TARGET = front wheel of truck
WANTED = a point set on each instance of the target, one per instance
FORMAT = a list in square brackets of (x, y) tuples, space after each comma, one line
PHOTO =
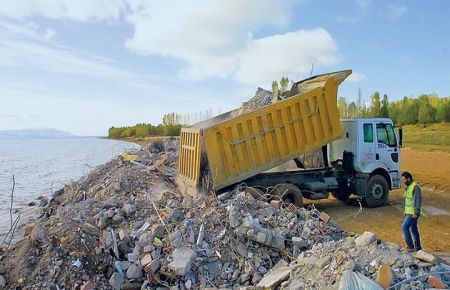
[(377, 191)]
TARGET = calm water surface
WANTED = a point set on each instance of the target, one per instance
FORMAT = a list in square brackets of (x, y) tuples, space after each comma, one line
[(42, 164)]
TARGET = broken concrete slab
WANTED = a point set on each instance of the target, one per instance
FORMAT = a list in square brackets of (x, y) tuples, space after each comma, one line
[(123, 235), (153, 266), (146, 259), (365, 239), (182, 260), (129, 208), (116, 280), (274, 278), (424, 256), (134, 272)]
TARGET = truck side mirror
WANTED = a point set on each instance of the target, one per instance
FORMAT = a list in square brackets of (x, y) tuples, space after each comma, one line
[(400, 137)]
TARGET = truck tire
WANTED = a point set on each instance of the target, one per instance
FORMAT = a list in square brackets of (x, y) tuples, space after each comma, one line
[(377, 191), (288, 193)]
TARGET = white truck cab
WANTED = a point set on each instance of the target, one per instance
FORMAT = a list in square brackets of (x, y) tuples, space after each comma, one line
[(372, 146)]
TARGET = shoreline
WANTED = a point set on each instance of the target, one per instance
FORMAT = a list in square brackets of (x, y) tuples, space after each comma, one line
[(29, 211), (141, 141)]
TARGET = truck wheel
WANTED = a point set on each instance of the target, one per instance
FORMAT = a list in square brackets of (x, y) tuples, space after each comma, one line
[(288, 193), (377, 191)]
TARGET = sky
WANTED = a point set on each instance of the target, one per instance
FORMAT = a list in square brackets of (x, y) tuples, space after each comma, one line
[(83, 66)]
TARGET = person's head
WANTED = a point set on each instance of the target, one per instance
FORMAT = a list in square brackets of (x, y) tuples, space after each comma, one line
[(406, 178)]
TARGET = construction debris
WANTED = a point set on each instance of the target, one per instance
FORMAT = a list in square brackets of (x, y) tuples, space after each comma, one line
[(126, 226)]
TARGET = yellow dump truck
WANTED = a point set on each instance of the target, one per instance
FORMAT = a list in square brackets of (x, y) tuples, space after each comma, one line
[(234, 149)]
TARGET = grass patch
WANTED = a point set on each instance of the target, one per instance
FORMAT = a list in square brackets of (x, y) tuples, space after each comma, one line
[(434, 137)]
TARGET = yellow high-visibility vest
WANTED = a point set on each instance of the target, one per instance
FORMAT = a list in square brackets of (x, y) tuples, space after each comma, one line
[(409, 199)]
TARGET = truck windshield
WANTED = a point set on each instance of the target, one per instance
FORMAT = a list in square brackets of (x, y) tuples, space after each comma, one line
[(386, 134)]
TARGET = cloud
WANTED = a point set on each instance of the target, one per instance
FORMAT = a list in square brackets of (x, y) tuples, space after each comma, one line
[(49, 34), (203, 27), (216, 39), (355, 16), (363, 4), (290, 54), (23, 46), (206, 35), (396, 11), (356, 77), (211, 39), (79, 10)]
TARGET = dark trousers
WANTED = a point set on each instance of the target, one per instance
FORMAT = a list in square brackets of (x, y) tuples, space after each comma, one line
[(410, 227)]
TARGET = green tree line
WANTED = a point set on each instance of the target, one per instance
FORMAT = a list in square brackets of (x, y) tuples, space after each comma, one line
[(171, 126), (425, 109), (144, 130)]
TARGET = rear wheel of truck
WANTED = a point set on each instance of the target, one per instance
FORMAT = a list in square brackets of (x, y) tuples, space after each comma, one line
[(377, 191), (288, 193)]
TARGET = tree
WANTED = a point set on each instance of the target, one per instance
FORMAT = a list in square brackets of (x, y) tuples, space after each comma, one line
[(384, 109), (173, 119), (443, 110), (342, 105), (359, 104), (426, 114), (409, 111), (143, 130), (375, 105), (114, 132), (394, 112), (352, 110), (172, 130), (284, 82), (279, 88)]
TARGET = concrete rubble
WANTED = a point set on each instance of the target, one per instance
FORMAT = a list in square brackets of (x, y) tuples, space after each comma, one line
[(261, 98), (126, 226)]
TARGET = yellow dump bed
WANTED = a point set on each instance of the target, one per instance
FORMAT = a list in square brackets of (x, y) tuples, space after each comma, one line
[(228, 149)]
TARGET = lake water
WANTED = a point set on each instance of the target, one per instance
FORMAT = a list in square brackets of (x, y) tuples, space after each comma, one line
[(42, 164)]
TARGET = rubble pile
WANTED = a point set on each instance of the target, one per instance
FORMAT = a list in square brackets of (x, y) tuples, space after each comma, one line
[(381, 261), (125, 226), (261, 98)]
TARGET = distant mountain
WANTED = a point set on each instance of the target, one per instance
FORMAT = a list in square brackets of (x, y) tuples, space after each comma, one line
[(35, 133)]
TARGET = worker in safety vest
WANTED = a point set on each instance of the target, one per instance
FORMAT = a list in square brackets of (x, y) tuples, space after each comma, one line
[(413, 210)]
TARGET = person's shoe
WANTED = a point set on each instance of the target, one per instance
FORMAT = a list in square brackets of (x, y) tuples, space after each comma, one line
[(410, 250), (418, 249)]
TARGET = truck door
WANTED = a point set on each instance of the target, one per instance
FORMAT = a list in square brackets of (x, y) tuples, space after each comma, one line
[(388, 151), (367, 147)]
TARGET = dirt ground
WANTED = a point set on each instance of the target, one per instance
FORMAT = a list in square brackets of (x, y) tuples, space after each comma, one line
[(432, 171)]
